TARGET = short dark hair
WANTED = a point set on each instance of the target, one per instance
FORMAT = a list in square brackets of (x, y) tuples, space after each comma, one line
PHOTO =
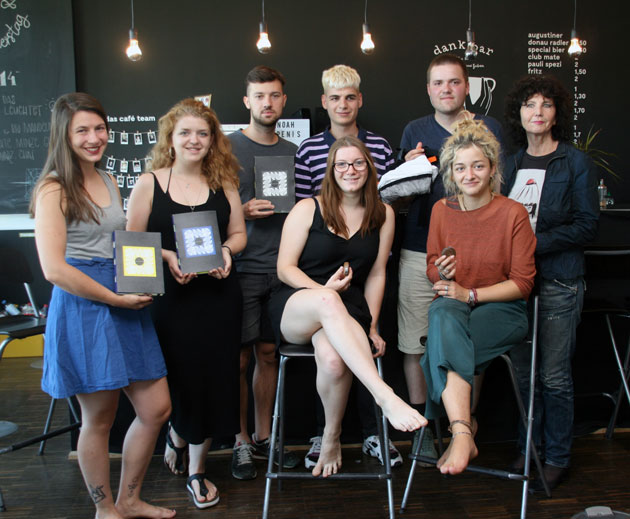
[(447, 59), (547, 86), (263, 74)]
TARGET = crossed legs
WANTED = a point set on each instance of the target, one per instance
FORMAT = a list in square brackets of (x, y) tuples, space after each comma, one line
[(341, 347), (462, 341)]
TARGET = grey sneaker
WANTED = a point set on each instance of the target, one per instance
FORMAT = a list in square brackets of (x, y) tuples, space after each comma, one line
[(372, 447), (243, 466), (260, 451), (312, 456), (427, 448)]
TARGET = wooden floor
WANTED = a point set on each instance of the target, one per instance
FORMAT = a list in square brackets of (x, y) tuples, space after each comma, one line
[(50, 486)]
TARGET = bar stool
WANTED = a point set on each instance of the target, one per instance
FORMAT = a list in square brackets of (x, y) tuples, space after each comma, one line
[(276, 441), (14, 269), (600, 299), (527, 419)]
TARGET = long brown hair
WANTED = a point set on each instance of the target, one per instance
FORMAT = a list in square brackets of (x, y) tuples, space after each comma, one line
[(219, 166), (331, 194), (62, 165)]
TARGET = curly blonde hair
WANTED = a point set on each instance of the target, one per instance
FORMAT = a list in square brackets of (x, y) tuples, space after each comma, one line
[(219, 166), (467, 133)]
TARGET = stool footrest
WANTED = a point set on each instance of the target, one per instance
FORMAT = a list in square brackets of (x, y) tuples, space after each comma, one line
[(352, 476), (474, 468)]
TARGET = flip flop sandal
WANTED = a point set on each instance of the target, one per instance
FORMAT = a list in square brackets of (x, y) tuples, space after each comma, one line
[(180, 455), (203, 490)]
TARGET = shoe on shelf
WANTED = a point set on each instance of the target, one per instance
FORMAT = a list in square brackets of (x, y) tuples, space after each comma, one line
[(243, 466), (312, 456), (372, 447), (427, 448), (553, 475), (260, 451)]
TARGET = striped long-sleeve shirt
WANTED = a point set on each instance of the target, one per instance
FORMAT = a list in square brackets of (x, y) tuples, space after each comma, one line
[(311, 156)]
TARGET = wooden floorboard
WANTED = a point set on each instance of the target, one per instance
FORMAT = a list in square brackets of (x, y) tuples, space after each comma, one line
[(51, 486)]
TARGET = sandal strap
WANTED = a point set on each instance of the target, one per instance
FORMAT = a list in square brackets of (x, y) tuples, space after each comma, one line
[(461, 432), (461, 422), (180, 452), (199, 478)]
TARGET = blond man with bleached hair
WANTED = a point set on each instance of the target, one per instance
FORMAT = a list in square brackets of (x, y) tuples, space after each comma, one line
[(340, 76)]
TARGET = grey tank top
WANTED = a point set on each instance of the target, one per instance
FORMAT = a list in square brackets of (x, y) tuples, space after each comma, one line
[(87, 240)]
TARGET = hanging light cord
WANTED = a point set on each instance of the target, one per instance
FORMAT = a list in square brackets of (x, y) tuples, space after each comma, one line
[(365, 15), (469, 15), (574, 13), (133, 26), (263, 11)]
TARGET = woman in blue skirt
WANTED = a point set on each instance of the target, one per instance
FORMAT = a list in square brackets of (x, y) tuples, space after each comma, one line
[(97, 342)]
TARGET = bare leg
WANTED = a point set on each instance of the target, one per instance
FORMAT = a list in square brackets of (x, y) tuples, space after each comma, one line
[(197, 465), (414, 376), (333, 385), (309, 310), (98, 411), (264, 386), (152, 404), (243, 435), (462, 448)]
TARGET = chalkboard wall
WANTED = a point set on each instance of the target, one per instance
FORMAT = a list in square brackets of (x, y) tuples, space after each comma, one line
[(193, 48), (36, 66)]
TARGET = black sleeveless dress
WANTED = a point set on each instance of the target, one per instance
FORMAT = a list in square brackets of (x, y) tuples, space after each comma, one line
[(199, 328), (324, 252)]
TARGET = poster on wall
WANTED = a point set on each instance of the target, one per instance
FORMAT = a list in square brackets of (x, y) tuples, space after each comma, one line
[(36, 67)]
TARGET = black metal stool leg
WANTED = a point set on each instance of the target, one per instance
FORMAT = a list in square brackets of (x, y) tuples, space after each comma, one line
[(414, 453), (51, 410), (383, 433), (623, 386), (277, 412)]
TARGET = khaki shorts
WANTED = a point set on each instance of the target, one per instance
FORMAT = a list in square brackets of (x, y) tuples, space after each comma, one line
[(414, 298)]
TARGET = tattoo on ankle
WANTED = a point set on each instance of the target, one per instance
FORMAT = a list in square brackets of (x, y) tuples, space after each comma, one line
[(132, 487), (97, 494)]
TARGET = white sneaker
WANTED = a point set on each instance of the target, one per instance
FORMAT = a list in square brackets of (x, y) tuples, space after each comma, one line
[(312, 456), (372, 447)]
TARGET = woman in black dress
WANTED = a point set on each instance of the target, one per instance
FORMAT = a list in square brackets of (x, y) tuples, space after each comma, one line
[(336, 307), (198, 320)]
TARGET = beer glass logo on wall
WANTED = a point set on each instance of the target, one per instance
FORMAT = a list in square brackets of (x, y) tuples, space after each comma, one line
[(479, 98), (480, 94)]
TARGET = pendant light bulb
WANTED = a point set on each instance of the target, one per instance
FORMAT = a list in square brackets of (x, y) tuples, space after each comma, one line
[(263, 44), (471, 47), (367, 45), (133, 49), (575, 49)]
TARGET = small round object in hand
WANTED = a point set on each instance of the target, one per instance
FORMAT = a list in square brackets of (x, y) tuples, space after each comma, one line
[(448, 251), (346, 268)]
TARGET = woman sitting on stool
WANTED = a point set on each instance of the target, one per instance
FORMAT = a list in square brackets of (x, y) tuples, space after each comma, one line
[(336, 307), (480, 257)]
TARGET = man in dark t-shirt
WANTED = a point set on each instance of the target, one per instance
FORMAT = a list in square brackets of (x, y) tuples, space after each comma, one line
[(256, 265)]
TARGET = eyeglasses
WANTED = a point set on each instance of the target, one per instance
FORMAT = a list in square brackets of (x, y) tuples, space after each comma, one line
[(358, 165)]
